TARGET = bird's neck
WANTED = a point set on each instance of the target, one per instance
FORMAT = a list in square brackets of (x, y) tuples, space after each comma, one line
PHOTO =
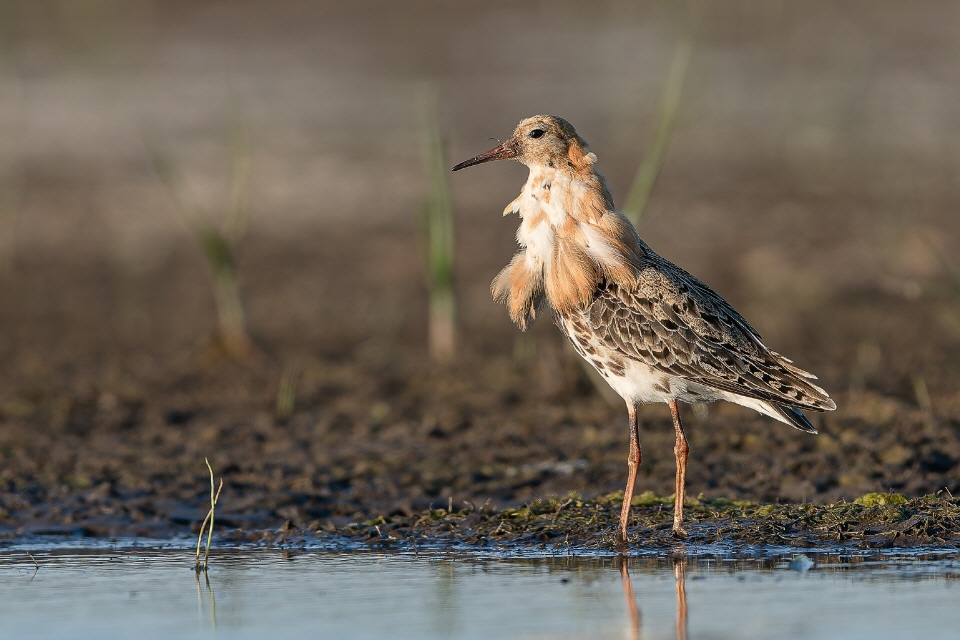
[(571, 238), (561, 192)]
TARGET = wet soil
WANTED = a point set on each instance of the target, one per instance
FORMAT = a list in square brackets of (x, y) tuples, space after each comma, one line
[(876, 521), (103, 437), (837, 239)]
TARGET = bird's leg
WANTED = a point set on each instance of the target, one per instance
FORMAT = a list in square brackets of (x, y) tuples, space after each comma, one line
[(633, 462), (680, 450)]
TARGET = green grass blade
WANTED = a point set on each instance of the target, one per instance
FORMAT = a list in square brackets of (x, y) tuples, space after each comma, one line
[(437, 229), (218, 244), (649, 169), (238, 199)]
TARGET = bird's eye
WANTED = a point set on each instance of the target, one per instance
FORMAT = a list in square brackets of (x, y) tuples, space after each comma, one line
[(536, 133)]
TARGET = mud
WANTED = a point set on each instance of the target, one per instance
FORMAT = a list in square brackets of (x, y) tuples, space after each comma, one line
[(113, 442), (578, 526), (837, 241)]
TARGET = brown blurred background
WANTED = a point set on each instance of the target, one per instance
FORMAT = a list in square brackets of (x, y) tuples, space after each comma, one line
[(811, 179)]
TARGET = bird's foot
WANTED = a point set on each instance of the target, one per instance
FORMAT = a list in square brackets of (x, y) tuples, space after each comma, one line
[(679, 531), (623, 542)]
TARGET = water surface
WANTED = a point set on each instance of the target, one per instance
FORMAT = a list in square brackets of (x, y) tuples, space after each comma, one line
[(149, 590)]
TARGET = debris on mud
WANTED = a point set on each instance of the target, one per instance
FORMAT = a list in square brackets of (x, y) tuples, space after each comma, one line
[(872, 521), (839, 243)]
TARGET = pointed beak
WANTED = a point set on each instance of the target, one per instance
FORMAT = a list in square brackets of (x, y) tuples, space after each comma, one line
[(506, 151)]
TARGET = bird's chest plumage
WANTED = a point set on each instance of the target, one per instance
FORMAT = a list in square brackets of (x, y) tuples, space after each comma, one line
[(561, 243), (543, 212)]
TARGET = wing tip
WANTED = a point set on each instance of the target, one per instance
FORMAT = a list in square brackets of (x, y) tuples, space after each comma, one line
[(795, 418)]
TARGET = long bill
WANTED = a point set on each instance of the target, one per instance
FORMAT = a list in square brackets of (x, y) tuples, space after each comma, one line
[(506, 151)]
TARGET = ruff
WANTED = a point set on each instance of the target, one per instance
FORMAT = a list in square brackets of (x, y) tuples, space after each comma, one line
[(653, 331)]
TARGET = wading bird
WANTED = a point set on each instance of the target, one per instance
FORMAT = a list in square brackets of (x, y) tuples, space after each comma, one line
[(652, 330)]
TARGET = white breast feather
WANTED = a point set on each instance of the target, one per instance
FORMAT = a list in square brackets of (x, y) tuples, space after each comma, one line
[(597, 246), (538, 241), (536, 232)]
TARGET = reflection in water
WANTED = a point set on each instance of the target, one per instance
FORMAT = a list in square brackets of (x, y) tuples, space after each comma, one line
[(633, 610), (445, 607), (679, 564), (36, 567), (147, 594), (211, 600)]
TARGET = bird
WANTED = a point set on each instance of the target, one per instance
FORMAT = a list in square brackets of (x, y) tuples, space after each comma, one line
[(654, 332)]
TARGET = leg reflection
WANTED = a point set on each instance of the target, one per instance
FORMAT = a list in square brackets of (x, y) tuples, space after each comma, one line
[(632, 609), (678, 566)]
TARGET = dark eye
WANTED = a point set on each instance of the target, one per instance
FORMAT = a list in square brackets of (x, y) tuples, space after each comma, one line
[(536, 133)]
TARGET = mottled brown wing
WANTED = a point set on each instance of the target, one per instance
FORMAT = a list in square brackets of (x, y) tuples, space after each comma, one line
[(675, 323)]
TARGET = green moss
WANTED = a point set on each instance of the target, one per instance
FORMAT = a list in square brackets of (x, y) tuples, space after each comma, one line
[(649, 498), (521, 514), (612, 498), (725, 502), (881, 499), (875, 520), (78, 481)]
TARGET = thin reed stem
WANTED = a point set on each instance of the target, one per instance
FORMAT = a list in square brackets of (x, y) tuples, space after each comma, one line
[(639, 194), (217, 243), (287, 391), (438, 240), (208, 522)]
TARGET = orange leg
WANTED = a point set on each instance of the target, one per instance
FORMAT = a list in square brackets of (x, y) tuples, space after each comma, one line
[(680, 450), (633, 462)]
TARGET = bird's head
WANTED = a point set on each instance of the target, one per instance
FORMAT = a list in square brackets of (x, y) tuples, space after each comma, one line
[(546, 141)]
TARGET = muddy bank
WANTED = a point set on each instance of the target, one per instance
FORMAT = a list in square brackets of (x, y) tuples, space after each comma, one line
[(800, 184), (106, 435), (379, 432), (875, 521)]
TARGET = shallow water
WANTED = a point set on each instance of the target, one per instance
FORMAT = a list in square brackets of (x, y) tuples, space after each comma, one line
[(149, 590)]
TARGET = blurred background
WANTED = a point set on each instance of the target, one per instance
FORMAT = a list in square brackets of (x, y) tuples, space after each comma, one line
[(212, 244)]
